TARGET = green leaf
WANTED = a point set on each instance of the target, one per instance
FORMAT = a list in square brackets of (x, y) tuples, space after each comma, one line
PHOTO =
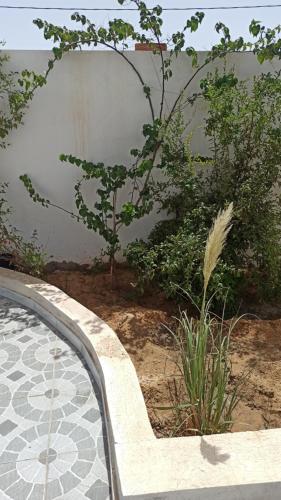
[(255, 27), (146, 90), (135, 152), (261, 57)]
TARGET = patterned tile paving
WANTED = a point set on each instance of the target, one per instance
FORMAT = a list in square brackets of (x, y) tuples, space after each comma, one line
[(52, 439)]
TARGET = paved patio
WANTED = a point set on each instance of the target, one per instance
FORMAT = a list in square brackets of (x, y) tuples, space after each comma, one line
[(52, 437)]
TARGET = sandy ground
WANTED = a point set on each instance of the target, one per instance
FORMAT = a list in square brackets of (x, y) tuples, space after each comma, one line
[(139, 323)]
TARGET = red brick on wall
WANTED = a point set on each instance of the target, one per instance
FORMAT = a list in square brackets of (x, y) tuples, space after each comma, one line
[(150, 46)]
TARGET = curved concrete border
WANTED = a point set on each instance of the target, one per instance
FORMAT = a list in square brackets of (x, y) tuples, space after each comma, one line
[(241, 466), (124, 405)]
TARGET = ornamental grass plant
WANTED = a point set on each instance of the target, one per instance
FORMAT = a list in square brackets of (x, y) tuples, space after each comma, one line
[(203, 345)]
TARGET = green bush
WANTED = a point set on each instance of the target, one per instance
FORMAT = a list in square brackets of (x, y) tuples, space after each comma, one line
[(243, 129), (25, 256), (16, 92), (176, 264)]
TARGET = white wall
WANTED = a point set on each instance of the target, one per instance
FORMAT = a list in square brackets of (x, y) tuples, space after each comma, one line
[(92, 107)]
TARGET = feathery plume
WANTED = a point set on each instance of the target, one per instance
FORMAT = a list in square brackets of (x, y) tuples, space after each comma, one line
[(216, 241)]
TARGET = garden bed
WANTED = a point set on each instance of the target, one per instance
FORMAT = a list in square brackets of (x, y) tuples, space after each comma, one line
[(138, 322)]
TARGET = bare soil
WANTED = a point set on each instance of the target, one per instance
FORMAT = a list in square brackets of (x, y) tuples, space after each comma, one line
[(139, 323)]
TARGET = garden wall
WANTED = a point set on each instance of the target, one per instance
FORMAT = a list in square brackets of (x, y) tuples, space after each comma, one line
[(92, 107)]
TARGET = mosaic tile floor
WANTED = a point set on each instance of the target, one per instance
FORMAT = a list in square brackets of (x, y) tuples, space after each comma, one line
[(52, 438)]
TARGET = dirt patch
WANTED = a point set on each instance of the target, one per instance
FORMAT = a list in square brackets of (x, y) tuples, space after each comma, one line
[(139, 323)]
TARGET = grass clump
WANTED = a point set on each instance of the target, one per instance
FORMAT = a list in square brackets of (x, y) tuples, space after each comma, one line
[(203, 346)]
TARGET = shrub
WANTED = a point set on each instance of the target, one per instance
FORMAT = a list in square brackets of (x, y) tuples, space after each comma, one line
[(16, 92), (243, 128), (176, 263), (26, 256)]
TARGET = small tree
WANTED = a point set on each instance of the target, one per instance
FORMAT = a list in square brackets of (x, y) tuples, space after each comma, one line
[(108, 217)]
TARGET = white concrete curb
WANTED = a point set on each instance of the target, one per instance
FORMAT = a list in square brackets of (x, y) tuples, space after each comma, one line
[(241, 466)]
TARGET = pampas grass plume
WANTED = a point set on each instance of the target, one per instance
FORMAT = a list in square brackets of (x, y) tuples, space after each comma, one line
[(216, 241)]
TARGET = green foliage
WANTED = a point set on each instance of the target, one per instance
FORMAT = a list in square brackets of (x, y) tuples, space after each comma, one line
[(108, 217), (268, 43), (175, 261), (105, 215), (243, 127), (26, 256), (203, 348), (16, 91), (173, 255), (29, 258)]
